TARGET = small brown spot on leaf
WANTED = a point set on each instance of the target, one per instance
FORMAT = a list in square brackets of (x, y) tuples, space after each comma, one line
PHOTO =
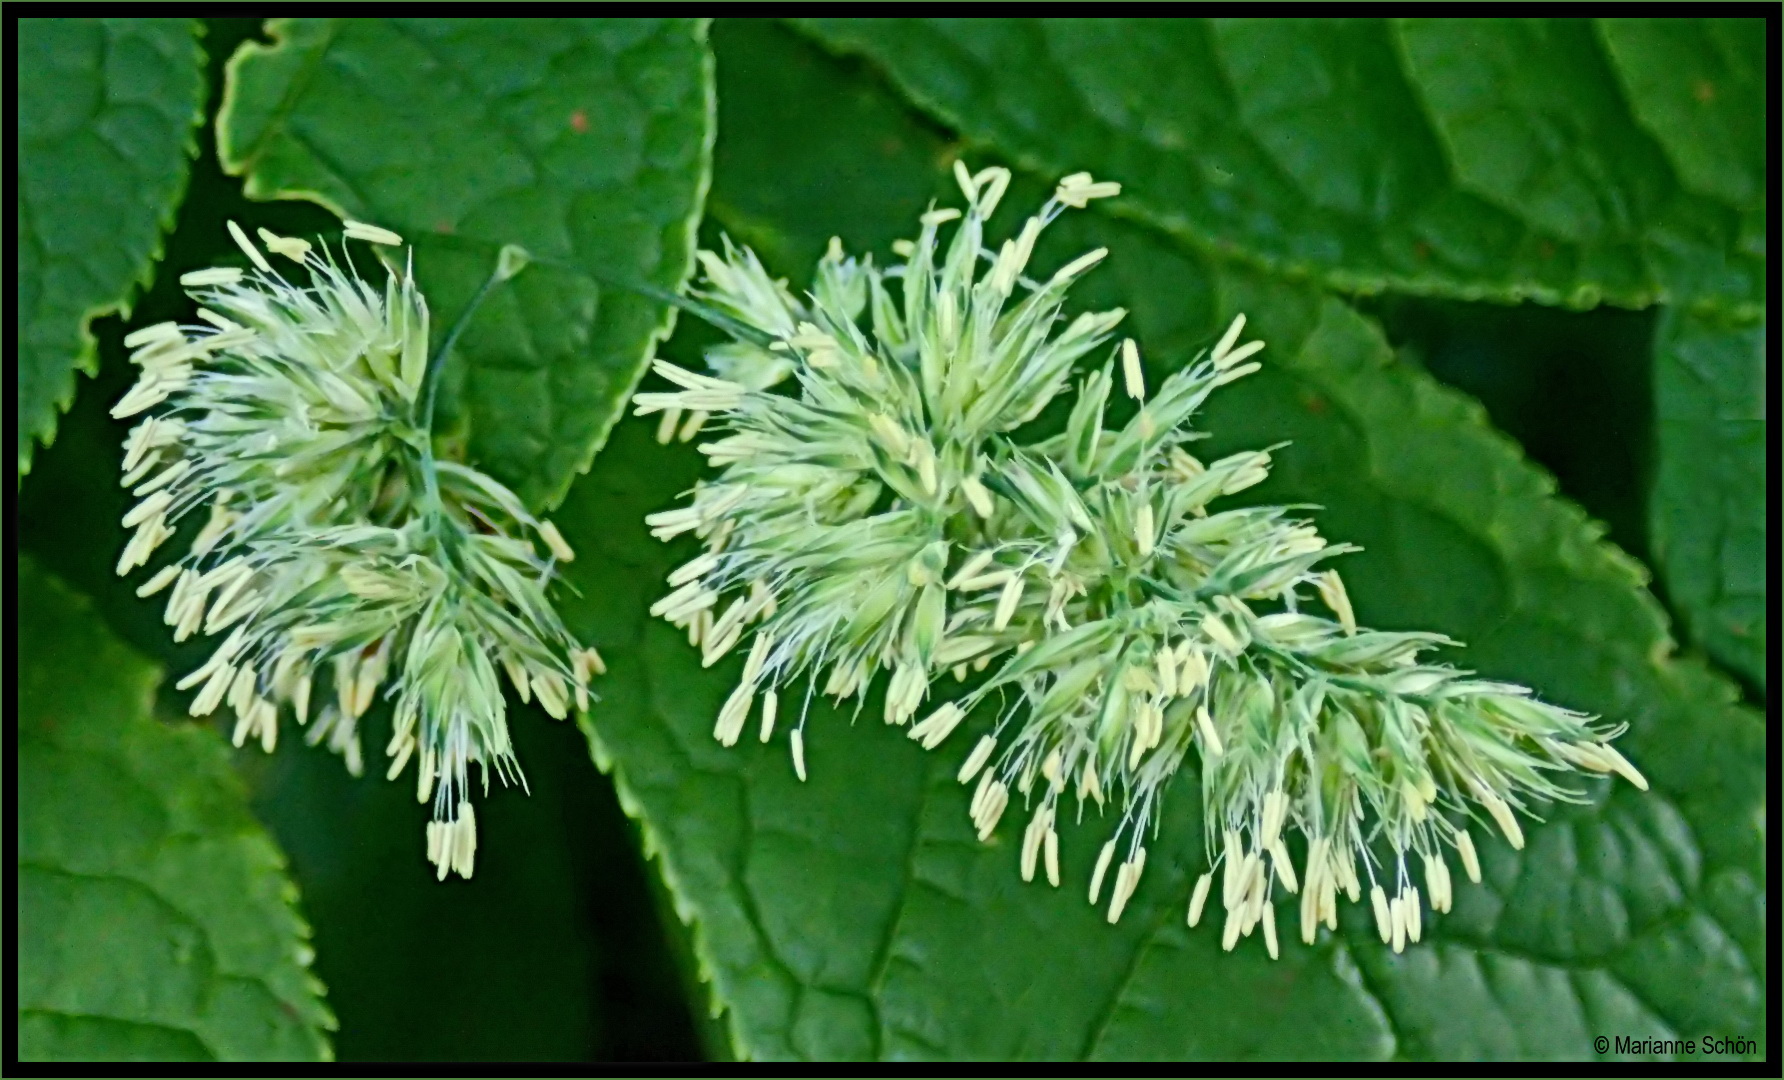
[(1421, 250), (1704, 91), (443, 226), (579, 121), (1315, 404), (1545, 249)]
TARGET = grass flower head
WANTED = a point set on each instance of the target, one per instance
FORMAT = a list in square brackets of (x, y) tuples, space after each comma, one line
[(895, 513), (289, 431)]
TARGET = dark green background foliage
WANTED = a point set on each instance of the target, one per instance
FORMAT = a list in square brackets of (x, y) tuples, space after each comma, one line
[(106, 112), (1512, 277), (155, 918)]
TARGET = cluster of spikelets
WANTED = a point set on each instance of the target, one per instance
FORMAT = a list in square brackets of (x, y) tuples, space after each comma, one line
[(892, 513), (288, 448)]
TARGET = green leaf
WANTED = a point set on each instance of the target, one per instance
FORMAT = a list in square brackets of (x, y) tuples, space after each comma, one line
[(1708, 511), (107, 112), (855, 915), (1531, 113), (585, 141), (1699, 86), (1486, 160), (155, 918)]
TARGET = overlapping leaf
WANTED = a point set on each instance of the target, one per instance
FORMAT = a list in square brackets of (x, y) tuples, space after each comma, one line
[(107, 110), (1468, 158), (585, 141), (1699, 86), (855, 916), (1708, 513), (155, 920)]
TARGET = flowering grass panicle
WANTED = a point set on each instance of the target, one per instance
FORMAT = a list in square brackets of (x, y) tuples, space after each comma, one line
[(290, 431), (894, 513)]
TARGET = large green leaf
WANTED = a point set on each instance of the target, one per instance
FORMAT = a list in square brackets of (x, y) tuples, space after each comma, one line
[(1532, 115), (107, 110), (585, 141), (1709, 508), (1485, 159), (1699, 86), (155, 920), (855, 916)]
